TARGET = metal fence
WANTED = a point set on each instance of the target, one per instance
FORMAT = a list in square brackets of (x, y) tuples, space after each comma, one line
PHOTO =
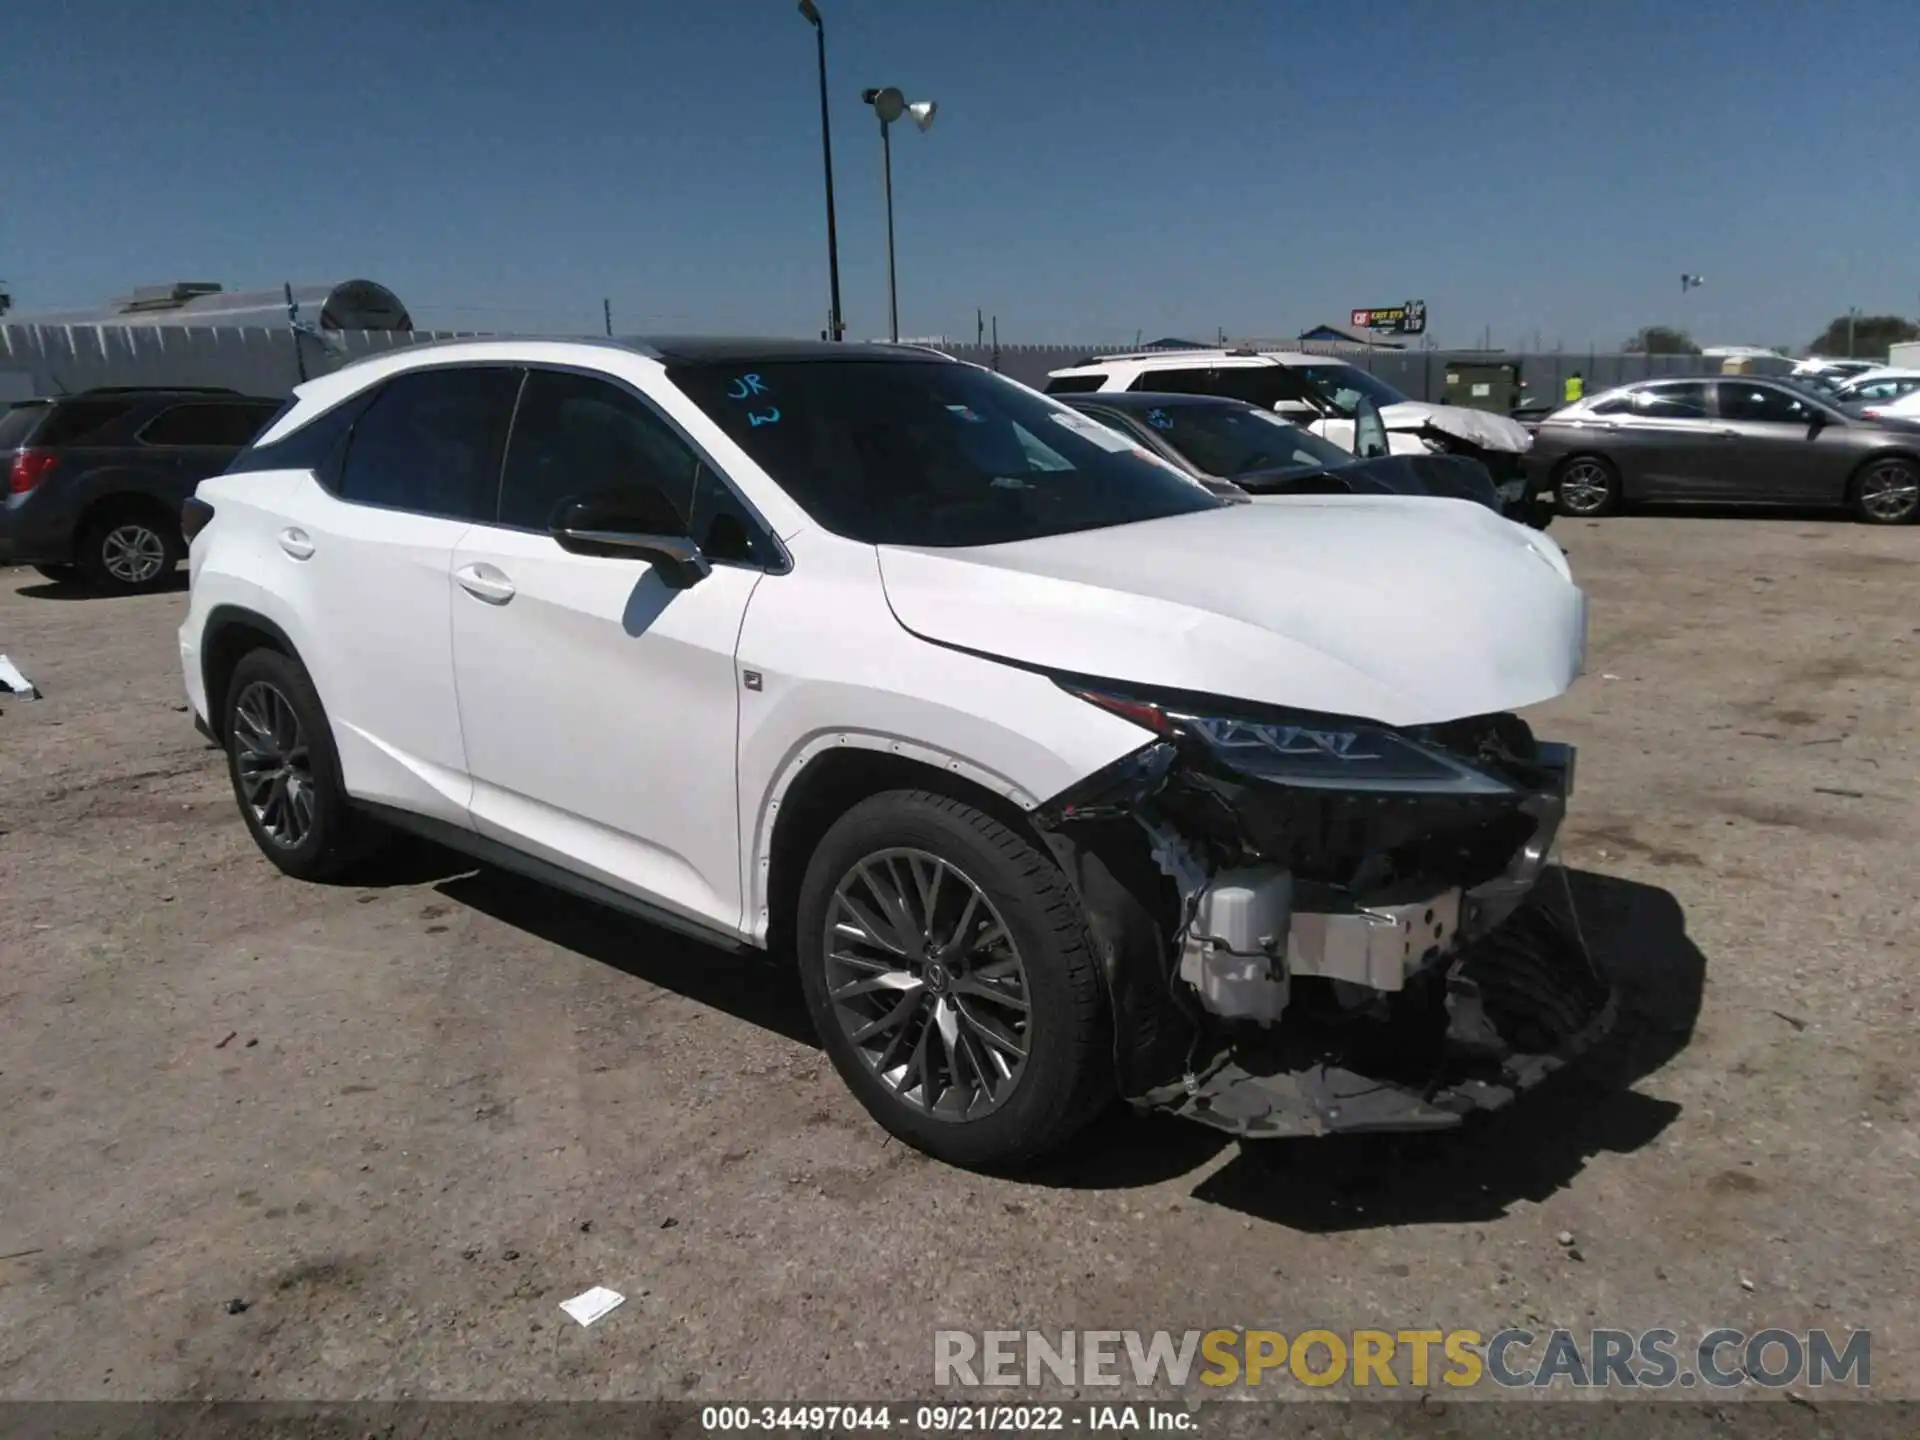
[(61, 359)]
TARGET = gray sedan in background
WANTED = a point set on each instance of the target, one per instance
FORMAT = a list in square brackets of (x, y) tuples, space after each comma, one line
[(1725, 440)]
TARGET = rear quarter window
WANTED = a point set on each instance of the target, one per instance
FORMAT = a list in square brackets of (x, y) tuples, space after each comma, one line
[(77, 422), (17, 424)]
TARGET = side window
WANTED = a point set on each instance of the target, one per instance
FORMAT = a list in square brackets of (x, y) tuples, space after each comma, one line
[(1075, 384), (430, 442), (1761, 402), (1686, 401), (1612, 405), (1176, 382), (573, 435)]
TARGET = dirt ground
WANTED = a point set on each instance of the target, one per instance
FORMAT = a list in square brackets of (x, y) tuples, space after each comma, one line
[(402, 1121)]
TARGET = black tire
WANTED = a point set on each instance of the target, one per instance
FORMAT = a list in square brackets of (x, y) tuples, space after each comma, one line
[(58, 574), (128, 550), (335, 835), (1886, 491), (1537, 983), (1067, 1073), (1599, 495)]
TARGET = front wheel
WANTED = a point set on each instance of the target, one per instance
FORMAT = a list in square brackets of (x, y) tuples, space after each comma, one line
[(1887, 492), (1587, 487), (947, 968)]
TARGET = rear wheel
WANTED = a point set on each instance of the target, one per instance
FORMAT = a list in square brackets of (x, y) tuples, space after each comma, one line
[(1887, 492), (1586, 487), (285, 773), (946, 964), (127, 552)]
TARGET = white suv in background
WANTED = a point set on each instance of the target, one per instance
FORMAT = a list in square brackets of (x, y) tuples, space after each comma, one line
[(1056, 773), (1273, 380)]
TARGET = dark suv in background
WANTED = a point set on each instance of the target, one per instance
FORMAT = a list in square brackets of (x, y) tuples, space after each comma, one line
[(95, 481)]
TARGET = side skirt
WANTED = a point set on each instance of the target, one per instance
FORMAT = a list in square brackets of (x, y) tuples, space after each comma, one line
[(489, 851)]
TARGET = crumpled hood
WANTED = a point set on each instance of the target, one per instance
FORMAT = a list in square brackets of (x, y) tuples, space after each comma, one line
[(1489, 432), (1397, 609)]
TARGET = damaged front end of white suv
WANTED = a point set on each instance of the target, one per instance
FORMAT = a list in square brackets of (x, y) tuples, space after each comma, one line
[(1312, 924)]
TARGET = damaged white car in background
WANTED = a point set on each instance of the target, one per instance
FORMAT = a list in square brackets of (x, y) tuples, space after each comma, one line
[(1322, 393), (1057, 774)]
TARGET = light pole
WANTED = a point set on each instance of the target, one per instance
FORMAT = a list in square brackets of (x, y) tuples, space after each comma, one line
[(889, 104), (836, 327)]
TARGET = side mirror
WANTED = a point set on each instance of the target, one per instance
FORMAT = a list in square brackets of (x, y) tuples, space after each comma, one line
[(1298, 411), (635, 522)]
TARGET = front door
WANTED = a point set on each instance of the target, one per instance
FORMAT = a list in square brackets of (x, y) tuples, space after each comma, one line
[(600, 707), (1773, 455)]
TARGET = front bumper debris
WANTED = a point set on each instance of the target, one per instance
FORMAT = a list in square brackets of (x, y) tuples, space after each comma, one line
[(1452, 1061), (1298, 960)]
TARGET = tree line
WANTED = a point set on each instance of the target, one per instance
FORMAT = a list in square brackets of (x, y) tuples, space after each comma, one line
[(1861, 337)]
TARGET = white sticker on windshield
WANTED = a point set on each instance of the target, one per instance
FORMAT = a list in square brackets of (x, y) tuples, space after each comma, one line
[(1092, 430)]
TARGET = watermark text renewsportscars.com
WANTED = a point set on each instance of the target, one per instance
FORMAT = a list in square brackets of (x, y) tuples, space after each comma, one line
[(1719, 1358)]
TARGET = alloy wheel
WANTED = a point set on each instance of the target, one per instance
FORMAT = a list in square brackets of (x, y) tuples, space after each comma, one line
[(1584, 487), (927, 983), (133, 553), (274, 764), (1890, 491)]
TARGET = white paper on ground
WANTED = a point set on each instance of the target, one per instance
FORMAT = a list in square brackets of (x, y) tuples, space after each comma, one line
[(11, 679), (592, 1304)]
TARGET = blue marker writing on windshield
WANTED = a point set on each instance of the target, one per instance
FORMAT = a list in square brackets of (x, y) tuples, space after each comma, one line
[(743, 386), (757, 418)]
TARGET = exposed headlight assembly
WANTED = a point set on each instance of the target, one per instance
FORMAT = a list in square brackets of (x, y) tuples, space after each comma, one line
[(1306, 750)]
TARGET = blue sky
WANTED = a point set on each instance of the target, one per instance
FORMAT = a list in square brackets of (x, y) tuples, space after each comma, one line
[(1096, 169)]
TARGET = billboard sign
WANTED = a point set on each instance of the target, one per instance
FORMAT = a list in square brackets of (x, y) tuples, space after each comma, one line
[(1407, 319)]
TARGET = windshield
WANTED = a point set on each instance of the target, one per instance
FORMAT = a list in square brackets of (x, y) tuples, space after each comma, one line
[(894, 452), (1233, 440), (1347, 383)]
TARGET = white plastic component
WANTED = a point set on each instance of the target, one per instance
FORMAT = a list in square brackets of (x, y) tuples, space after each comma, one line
[(1245, 910), (1238, 931)]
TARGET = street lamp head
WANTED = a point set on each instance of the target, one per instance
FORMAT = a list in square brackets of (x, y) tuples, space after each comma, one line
[(889, 104), (922, 112), (812, 12)]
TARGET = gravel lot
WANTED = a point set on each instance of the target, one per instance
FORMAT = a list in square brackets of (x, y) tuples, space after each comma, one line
[(402, 1121)]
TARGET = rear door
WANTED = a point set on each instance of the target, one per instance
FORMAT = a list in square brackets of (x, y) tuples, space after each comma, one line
[(363, 563), (1772, 453)]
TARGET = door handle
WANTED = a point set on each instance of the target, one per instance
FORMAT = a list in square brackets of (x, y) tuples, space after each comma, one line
[(295, 542), (1729, 434), (485, 582)]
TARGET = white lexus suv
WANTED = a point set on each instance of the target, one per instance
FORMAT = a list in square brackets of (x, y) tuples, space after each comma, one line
[(1057, 775)]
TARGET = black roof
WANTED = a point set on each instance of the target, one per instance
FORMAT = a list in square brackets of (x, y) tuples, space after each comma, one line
[(739, 349), (1147, 399)]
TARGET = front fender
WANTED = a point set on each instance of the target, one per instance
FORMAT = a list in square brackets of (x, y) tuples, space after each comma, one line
[(824, 665)]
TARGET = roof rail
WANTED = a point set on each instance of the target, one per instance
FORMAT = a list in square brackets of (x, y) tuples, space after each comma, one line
[(159, 389)]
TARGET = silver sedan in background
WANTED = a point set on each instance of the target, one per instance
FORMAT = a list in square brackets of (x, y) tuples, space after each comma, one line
[(1744, 440)]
